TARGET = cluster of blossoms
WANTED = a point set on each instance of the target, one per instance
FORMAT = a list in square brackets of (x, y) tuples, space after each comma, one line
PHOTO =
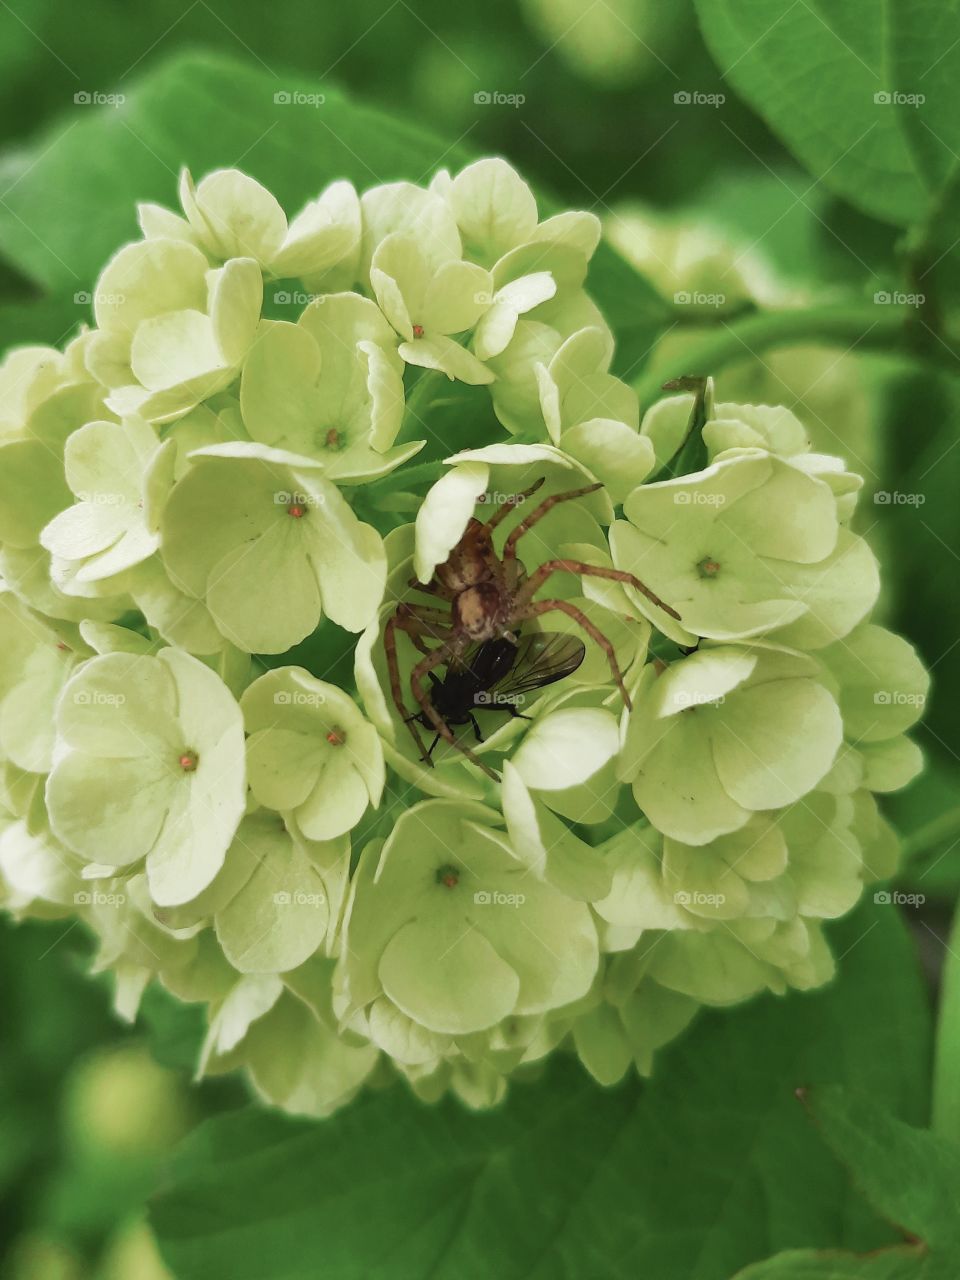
[(208, 511)]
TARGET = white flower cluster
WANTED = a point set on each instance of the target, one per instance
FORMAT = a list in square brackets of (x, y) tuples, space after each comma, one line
[(203, 483)]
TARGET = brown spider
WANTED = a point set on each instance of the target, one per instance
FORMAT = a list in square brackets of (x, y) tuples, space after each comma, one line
[(486, 598)]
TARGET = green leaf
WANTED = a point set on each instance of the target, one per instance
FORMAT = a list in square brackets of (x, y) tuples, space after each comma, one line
[(175, 1030), (61, 220), (812, 70), (675, 1170), (911, 1177)]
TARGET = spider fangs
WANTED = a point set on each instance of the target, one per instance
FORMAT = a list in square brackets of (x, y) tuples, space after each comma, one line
[(485, 597)]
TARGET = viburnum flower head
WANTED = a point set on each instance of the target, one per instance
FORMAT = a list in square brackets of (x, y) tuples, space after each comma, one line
[(217, 503)]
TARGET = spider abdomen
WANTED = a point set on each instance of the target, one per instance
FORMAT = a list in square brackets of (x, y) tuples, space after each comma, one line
[(477, 611)]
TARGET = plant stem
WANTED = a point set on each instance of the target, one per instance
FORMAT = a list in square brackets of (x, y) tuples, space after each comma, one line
[(861, 324), (946, 1060), (931, 834)]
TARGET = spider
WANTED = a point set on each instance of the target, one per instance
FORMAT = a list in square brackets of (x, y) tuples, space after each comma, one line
[(487, 597)]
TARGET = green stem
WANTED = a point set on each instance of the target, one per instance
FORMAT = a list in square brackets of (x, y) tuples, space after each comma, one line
[(931, 834), (946, 1062), (864, 325)]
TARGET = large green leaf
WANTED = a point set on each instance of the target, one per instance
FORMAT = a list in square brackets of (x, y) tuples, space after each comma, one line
[(813, 70), (68, 203), (911, 1176), (706, 1168)]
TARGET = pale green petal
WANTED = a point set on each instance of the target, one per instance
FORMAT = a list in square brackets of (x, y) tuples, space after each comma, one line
[(615, 453), (566, 747), (445, 974), (774, 742), (238, 217), (494, 208), (891, 764), (435, 351), (455, 298), (445, 513), (279, 918), (678, 787), (109, 811), (264, 595), (883, 684), (236, 297), (149, 278)]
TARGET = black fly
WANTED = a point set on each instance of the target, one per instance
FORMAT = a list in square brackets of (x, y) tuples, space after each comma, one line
[(498, 674)]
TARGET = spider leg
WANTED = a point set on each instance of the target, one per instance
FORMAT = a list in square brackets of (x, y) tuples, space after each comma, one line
[(431, 588), (476, 728), (406, 619), (442, 654), (537, 514), (513, 502), (540, 575), (594, 632)]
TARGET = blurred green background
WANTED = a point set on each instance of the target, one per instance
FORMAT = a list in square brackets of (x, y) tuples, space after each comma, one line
[(587, 100)]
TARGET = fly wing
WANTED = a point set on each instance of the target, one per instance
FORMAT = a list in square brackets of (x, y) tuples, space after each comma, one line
[(542, 658)]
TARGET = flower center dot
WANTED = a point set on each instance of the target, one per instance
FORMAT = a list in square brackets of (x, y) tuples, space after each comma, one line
[(188, 761), (448, 876), (708, 567), (337, 736), (418, 330), (297, 510)]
